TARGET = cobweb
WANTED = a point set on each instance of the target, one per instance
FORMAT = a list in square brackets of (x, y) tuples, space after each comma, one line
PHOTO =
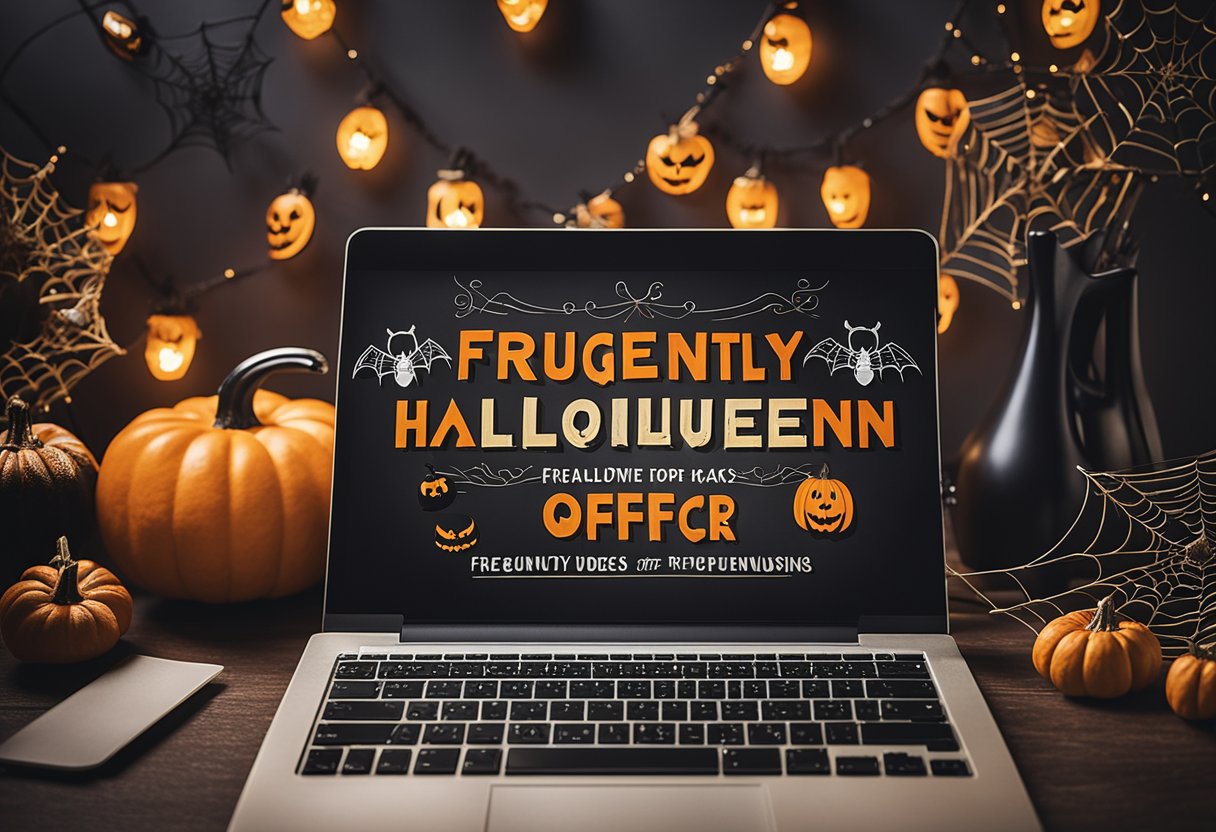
[(1146, 540), (1027, 162), (49, 259), (1151, 90), (209, 83)]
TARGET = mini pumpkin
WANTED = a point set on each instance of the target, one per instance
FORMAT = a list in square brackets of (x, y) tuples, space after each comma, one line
[(1190, 686), (601, 211), (947, 301), (47, 477), (846, 195), (1093, 653), (309, 18), (111, 213), (362, 138), (223, 498), (678, 161), (823, 505), (435, 492), (752, 201), (290, 221), (785, 46), (942, 116), (454, 202), (1069, 22), (455, 533), (66, 612)]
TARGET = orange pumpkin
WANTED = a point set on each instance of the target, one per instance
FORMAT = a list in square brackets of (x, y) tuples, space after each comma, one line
[(223, 498), (822, 504), (66, 612), (1092, 653), (1190, 686), (678, 161)]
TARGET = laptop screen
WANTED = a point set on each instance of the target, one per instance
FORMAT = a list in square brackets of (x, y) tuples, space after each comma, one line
[(602, 428)]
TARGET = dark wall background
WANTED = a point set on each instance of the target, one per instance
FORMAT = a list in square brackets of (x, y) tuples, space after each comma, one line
[(569, 107)]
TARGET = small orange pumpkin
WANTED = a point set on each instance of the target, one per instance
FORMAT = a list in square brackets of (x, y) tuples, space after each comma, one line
[(678, 161), (1092, 653), (223, 498), (822, 504), (1190, 686), (66, 612)]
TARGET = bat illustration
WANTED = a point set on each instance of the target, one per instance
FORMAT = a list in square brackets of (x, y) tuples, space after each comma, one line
[(403, 367), (864, 361)]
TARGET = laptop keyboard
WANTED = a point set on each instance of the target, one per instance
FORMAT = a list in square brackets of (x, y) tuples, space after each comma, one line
[(849, 714)]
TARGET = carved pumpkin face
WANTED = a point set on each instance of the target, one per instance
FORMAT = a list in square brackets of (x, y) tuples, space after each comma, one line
[(846, 194), (435, 493), (679, 164), (309, 18), (785, 48), (170, 345), (122, 35), (600, 212), (752, 202), (947, 301), (942, 117), (290, 221), (362, 138), (455, 533), (823, 505), (522, 15), (111, 213), (1069, 22), (454, 202)]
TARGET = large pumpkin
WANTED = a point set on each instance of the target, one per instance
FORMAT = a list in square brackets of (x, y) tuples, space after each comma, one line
[(823, 505), (1092, 653), (1190, 686), (223, 498), (66, 612), (47, 477)]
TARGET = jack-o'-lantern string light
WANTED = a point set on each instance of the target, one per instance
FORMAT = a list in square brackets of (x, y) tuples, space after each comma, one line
[(679, 161), (362, 137), (846, 195), (309, 18), (522, 15), (291, 220), (1069, 23), (785, 45), (111, 213), (752, 201), (455, 200), (125, 37), (172, 337)]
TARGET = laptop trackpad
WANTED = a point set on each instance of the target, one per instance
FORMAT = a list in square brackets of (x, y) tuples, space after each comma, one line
[(611, 808)]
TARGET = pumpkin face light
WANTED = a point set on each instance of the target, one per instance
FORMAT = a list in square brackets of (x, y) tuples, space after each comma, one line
[(752, 202), (454, 202), (170, 345), (309, 18), (290, 221), (362, 138), (823, 505), (122, 35), (678, 162), (600, 211), (947, 301), (785, 48), (942, 117), (435, 492), (1093, 653), (846, 195), (522, 15), (455, 533), (1069, 22), (111, 213)]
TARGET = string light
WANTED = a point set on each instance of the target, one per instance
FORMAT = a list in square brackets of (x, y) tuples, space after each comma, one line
[(522, 15), (942, 116), (752, 201), (1000, 8), (309, 18), (1015, 57), (454, 201), (170, 345), (111, 213), (1069, 23), (290, 222), (362, 138), (123, 35), (679, 161), (785, 46), (947, 302), (846, 195), (601, 211)]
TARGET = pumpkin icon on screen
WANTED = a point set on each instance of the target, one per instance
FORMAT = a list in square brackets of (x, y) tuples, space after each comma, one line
[(455, 533), (435, 492), (823, 505)]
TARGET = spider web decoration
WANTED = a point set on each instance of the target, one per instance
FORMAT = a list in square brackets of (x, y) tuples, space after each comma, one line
[(49, 259), (1147, 541), (1027, 162), (1151, 90), (210, 86)]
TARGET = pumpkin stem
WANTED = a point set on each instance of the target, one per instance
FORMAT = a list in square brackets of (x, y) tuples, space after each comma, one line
[(67, 589), (20, 428), (1206, 652), (234, 411), (824, 472), (1105, 619)]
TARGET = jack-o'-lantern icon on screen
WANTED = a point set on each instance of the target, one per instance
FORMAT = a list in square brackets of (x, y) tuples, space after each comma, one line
[(678, 161), (823, 505), (846, 195), (942, 117), (290, 221)]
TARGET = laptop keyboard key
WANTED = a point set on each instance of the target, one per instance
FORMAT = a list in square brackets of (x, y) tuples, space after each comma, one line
[(550, 689), (740, 710), (572, 711), (614, 733), (703, 711), (784, 689), (482, 761), (462, 711), (529, 710), (725, 733), (322, 761), (903, 670), (751, 761), (363, 710), (394, 761), (422, 711), (898, 764), (692, 733), (857, 766), (402, 690), (807, 761), (784, 710), (866, 709), (905, 733), (438, 733), (406, 733), (485, 733), (516, 690), (806, 733), (654, 733), (847, 689), (355, 690), (480, 690), (841, 733), (815, 689), (642, 710), (950, 768), (633, 689), (356, 670), (664, 689), (528, 733), (607, 761), (354, 733), (766, 733), (755, 689), (495, 709), (437, 761), (677, 711), (574, 733), (597, 689), (900, 689), (605, 711), (916, 709), (826, 709), (709, 689), (359, 761), (443, 690)]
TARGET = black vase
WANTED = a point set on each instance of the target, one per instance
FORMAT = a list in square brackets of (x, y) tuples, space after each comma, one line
[(1076, 398)]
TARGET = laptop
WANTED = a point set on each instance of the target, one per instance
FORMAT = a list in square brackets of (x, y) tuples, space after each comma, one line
[(635, 530)]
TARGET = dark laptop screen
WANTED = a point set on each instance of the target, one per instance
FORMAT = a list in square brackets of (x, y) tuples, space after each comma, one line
[(599, 436)]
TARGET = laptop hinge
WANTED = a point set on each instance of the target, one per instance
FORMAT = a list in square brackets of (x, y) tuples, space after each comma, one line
[(627, 633)]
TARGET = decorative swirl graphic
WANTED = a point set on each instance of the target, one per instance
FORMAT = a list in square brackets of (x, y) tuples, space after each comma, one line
[(781, 475), (482, 475)]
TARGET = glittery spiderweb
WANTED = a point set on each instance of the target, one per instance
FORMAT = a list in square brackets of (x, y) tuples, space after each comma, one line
[(52, 273), (1026, 162), (1143, 536), (1151, 89), (209, 83)]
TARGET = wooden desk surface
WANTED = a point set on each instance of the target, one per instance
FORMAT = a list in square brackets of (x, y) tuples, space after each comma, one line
[(1129, 764)]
